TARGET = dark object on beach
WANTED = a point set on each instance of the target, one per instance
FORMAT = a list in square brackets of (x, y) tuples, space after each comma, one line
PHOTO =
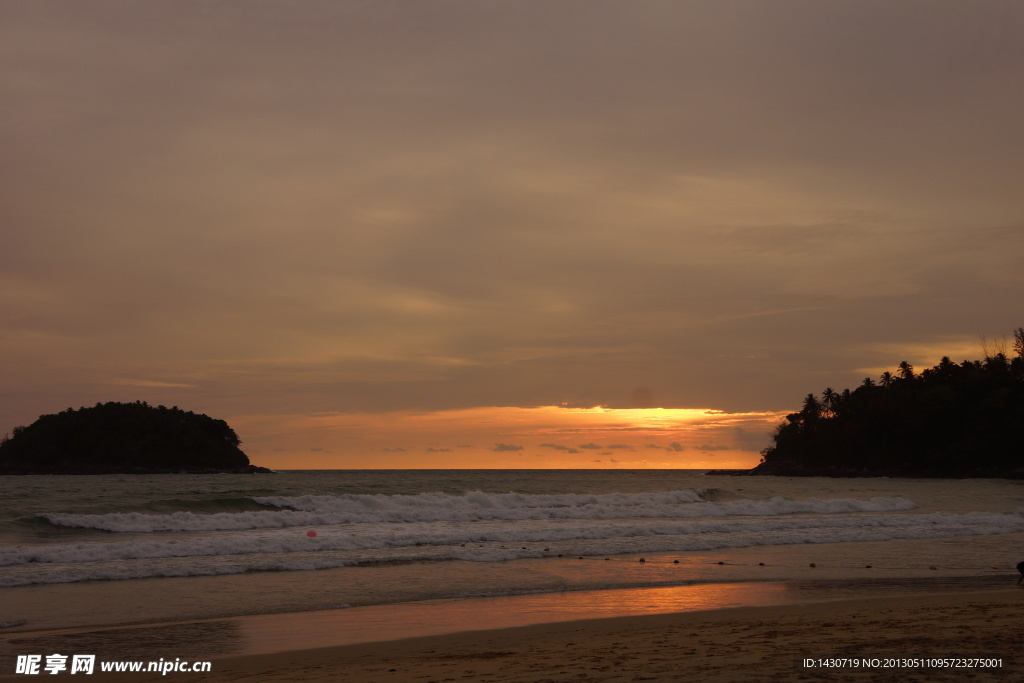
[(124, 438), (1020, 568), (642, 560), (814, 565), (954, 420)]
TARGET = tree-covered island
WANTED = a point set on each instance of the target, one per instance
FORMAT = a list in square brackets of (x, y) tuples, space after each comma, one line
[(124, 438), (952, 420)]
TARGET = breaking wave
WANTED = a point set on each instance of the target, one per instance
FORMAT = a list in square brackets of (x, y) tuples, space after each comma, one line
[(477, 506), (284, 550)]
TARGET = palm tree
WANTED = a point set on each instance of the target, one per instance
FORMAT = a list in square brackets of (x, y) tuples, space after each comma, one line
[(946, 368), (829, 398), (811, 409), (887, 378), (906, 370)]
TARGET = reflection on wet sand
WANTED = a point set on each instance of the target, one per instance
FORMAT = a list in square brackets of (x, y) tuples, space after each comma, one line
[(262, 634), (277, 633)]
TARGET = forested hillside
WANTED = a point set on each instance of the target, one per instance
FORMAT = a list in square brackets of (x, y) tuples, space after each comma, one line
[(952, 420), (123, 438)]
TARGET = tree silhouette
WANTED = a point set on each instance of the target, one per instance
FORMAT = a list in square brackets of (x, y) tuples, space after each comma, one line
[(829, 399), (906, 370), (811, 409), (950, 420), (123, 438)]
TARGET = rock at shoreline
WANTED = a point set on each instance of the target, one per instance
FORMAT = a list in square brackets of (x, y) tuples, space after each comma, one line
[(124, 438)]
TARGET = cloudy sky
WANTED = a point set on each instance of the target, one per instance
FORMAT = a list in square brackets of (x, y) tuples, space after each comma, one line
[(501, 234)]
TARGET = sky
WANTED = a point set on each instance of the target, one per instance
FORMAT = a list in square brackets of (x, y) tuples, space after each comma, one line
[(568, 234)]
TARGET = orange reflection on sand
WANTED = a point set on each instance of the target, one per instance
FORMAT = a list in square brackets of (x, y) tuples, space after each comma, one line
[(686, 598), (304, 630)]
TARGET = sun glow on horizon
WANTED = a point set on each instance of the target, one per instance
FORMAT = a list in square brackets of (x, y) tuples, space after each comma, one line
[(538, 437)]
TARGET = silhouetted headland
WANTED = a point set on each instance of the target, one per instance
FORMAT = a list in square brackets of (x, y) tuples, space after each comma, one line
[(124, 438), (952, 420)]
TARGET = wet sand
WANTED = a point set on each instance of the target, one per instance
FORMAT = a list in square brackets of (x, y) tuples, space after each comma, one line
[(746, 643)]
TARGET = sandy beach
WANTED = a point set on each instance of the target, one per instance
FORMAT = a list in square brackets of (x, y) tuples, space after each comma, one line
[(753, 580), (748, 643)]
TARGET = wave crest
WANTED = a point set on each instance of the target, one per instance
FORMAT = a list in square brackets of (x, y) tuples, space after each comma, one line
[(471, 507)]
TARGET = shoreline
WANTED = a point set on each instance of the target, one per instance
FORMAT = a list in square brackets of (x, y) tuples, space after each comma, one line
[(716, 644), (912, 563), (312, 628), (711, 644)]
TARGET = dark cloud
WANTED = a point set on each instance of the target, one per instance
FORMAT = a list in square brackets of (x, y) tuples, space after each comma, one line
[(242, 208), (675, 446), (503, 447), (559, 447)]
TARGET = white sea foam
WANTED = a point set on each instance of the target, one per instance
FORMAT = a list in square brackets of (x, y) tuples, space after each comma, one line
[(429, 528), (278, 550), (675, 534), (472, 507)]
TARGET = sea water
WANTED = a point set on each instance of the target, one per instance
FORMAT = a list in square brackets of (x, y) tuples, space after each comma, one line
[(79, 550)]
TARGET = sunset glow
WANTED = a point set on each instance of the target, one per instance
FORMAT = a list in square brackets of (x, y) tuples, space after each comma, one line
[(358, 231), (510, 437)]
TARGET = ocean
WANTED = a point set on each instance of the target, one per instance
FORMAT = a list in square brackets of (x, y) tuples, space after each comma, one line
[(104, 550)]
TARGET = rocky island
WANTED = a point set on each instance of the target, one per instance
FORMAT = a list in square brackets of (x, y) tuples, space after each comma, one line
[(124, 438), (953, 420)]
